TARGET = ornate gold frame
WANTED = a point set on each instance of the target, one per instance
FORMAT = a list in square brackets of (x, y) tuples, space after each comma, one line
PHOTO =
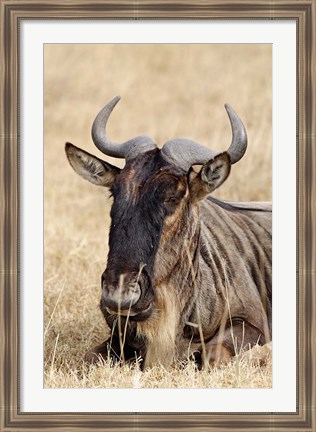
[(304, 13)]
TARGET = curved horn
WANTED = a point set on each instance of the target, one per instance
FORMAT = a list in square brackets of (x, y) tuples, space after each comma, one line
[(238, 145), (128, 149), (185, 153)]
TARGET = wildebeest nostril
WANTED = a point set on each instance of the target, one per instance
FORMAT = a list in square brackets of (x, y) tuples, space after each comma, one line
[(135, 288), (120, 298)]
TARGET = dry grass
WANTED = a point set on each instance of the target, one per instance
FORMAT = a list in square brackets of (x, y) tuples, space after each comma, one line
[(240, 374), (167, 91)]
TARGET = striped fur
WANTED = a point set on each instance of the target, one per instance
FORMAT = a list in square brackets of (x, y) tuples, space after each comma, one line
[(203, 267), (222, 275)]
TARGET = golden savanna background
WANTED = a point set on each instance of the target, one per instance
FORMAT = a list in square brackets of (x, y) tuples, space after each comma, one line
[(167, 91)]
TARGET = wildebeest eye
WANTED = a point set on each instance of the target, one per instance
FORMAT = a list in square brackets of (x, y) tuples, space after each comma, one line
[(172, 200), (172, 192)]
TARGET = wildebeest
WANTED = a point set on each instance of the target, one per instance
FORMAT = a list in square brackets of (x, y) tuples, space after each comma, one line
[(186, 273)]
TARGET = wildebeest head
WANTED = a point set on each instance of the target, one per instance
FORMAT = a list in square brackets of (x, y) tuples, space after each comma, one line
[(155, 196)]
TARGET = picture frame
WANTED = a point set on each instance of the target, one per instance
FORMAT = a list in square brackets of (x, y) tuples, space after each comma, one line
[(303, 12)]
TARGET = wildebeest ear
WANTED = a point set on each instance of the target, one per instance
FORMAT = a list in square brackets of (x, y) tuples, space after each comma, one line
[(90, 167), (210, 177)]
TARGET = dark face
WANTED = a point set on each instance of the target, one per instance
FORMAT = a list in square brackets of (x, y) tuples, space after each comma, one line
[(146, 192), (153, 215)]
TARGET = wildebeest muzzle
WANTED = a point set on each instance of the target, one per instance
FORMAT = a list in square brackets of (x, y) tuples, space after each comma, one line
[(127, 294)]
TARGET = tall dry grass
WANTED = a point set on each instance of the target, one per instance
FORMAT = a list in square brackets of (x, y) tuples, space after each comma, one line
[(167, 91)]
